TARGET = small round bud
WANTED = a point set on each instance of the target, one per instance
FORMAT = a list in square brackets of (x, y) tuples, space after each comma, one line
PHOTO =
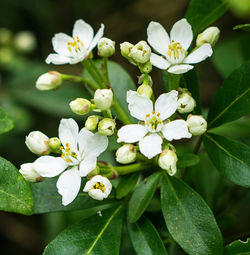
[(145, 90), (48, 81), (5, 36), (167, 161), (29, 174), (106, 127), (106, 47), (54, 143), (126, 48), (186, 103), (146, 67), (38, 143), (140, 53), (197, 125), (91, 122), (103, 98), (210, 35), (25, 41), (126, 154), (80, 106)]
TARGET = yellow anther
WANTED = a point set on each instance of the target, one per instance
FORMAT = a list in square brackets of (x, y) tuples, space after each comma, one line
[(158, 114), (153, 112), (67, 144), (61, 147), (147, 115), (67, 160), (100, 186)]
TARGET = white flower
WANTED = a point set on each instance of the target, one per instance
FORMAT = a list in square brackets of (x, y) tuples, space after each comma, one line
[(48, 81), (173, 49), (140, 53), (79, 155), (76, 48), (103, 98), (197, 125), (141, 108), (28, 173), (98, 187)]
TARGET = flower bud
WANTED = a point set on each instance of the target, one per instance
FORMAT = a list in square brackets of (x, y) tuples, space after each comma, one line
[(167, 161), (38, 143), (197, 125), (210, 35), (91, 122), (48, 81), (5, 36), (106, 127), (25, 41), (141, 52), (29, 174), (186, 103), (54, 143), (80, 106), (126, 48), (126, 154), (103, 98), (145, 90), (146, 67), (106, 47)]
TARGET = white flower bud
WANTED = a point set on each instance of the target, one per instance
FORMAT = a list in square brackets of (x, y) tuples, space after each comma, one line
[(29, 174), (141, 52), (106, 127), (126, 154), (38, 143), (25, 41), (210, 35), (106, 47), (126, 48), (186, 103), (80, 106), (145, 90), (98, 187), (197, 125), (48, 81), (54, 143), (167, 161), (103, 98), (91, 122)]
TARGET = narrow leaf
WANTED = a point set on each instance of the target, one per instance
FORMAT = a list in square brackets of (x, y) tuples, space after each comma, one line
[(6, 123), (187, 160), (245, 27), (238, 248)]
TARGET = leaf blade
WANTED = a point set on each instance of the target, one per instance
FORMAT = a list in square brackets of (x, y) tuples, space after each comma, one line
[(6, 122)]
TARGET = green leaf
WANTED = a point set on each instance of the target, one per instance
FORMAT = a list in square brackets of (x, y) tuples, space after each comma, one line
[(200, 14), (187, 160), (230, 157), (232, 100), (6, 123), (245, 27), (145, 238), (238, 248), (188, 218), (15, 193), (142, 197), (97, 235), (126, 184)]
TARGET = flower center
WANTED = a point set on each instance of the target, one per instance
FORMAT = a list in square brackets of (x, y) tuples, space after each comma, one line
[(153, 122), (175, 53), (77, 45), (99, 186), (69, 155)]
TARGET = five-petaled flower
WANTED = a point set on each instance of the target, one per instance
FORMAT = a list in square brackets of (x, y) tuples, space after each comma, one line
[(76, 48), (79, 156), (173, 50), (141, 108)]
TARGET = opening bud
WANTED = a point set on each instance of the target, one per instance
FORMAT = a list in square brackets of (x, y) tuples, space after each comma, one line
[(48, 81), (103, 98), (106, 47), (186, 103), (29, 174), (167, 161), (146, 67), (126, 154), (145, 90), (91, 122), (80, 106), (140, 53), (106, 127), (125, 49), (197, 125), (54, 143), (210, 35)]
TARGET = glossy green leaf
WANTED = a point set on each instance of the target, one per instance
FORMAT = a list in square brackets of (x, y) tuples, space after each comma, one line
[(97, 235), (6, 122), (232, 100), (245, 27), (145, 238), (230, 157), (188, 218), (142, 197), (187, 160), (15, 193), (238, 248)]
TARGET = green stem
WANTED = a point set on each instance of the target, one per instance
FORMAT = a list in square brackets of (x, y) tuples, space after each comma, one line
[(98, 73), (124, 118), (105, 62), (90, 70), (173, 81), (197, 145), (132, 168)]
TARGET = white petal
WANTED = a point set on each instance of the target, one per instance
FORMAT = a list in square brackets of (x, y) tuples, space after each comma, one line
[(97, 37), (182, 32), (48, 166), (68, 132), (166, 104), (87, 165), (60, 43), (68, 185), (84, 31), (57, 59), (131, 133), (159, 61), (138, 105), (179, 69), (158, 37), (150, 145), (176, 130), (199, 55), (96, 194)]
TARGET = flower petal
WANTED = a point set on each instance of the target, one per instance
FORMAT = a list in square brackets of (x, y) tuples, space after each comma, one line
[(199, 55), (48, 166), (84, 31), (68, 185), (68, 133), (182, 32), (166, 104), (97, 37), (60, 43), (131, 133), (158, 37), (150, 145), (57, 59), (159, 61), (179, 69), (176, 130), (138, 105), (87, 165)]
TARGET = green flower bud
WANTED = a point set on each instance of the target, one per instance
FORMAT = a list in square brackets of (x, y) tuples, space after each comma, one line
[(167, 161), (145, 90), (103, 98), (210, 35), (54, 143), (146, 67), (91, 122), (197, 125), (48, 81), (106, 47), (126, 154), (80, 106), (140, 53), (106, 127), (186, 103), (5, 36)]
